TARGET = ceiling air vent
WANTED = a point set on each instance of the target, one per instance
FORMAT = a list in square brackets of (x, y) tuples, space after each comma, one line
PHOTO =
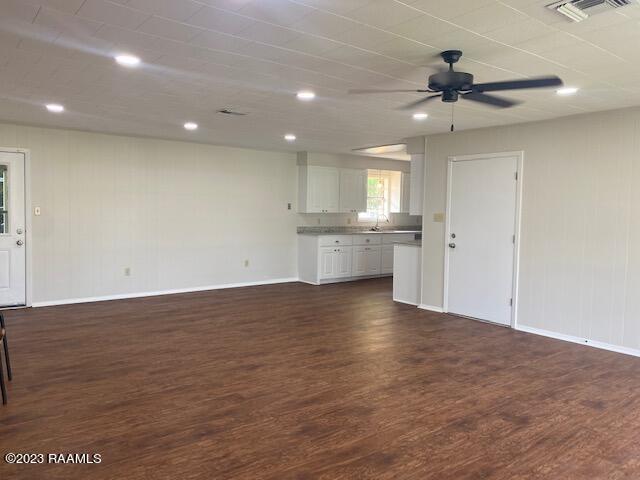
[(579, 10)]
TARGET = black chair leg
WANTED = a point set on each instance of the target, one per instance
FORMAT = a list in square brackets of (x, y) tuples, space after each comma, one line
[(6, 349), (6, 356), (2, 387)]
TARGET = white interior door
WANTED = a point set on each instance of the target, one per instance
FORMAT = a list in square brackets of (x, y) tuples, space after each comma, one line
[(481, 237), (12, 230)]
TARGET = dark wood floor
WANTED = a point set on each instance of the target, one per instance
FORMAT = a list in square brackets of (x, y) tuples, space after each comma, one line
[(301, 382)]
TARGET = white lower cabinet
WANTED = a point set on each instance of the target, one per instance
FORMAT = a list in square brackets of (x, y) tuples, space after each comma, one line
[(335, 262), (386, 260), (366, 261), (327, 258), (343, 262), (327, 261)]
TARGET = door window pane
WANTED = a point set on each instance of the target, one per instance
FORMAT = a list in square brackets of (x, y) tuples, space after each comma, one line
[(4, 217)]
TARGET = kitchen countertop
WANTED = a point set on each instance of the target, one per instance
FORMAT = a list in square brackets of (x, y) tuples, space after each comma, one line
[(410, 243), (362, 232)]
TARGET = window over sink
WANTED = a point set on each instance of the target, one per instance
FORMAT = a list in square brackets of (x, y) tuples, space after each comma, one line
[(383, 193)]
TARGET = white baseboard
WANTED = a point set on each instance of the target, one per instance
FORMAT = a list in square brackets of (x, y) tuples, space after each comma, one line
[(405, 302), (124, 296), (581, 341), (431, 308)]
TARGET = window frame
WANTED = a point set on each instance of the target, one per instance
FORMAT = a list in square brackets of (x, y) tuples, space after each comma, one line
[(371, 216)]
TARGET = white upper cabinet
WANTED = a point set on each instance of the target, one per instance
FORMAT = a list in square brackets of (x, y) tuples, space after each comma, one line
[(318, 189), (353, 190), (405, 193), (417, 184), (331, 190)]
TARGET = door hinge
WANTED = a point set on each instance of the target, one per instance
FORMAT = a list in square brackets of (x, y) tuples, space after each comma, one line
[(513, 239), (511, 302), (516, 175)]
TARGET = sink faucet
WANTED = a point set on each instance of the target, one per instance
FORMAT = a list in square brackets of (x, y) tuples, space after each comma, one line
[(377, 228)]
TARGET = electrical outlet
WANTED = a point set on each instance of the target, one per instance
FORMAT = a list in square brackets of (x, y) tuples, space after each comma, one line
[(246, 263), (288, 206), (127, 272)]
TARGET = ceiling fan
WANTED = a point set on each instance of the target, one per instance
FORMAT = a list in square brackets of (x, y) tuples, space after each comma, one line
[(450, 85)]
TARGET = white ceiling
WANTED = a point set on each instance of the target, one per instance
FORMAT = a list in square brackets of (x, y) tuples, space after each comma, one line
[(253, 55)]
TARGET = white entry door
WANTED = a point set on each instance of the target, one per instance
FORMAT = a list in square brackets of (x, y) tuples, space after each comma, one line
[(481, 236), (12, 230)]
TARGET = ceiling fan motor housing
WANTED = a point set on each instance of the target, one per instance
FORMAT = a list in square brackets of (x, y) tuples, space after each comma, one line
[(450, 96), (450, 80)]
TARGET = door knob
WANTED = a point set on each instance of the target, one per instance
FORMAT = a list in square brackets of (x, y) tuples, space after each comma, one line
[(452, 245), (19, 243)]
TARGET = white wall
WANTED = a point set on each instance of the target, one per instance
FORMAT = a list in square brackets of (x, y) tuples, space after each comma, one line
[(180, 215), (580, 245)]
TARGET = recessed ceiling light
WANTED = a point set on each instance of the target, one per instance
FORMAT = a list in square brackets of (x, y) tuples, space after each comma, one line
[(55, 108), (306, 95), (420, 116), (290, 137), (128, 60), (191, 126), (566, 91)]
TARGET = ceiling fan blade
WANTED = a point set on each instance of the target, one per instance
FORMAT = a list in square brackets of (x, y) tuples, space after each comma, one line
[(490, 100), (359, 91), (419, 102), (539, 82)]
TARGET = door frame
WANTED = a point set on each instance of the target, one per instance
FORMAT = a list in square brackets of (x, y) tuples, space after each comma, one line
[(27, 224), (519, 154)]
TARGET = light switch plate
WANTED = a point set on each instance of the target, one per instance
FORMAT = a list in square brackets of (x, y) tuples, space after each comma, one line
[(36, 211), (438, 217)]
